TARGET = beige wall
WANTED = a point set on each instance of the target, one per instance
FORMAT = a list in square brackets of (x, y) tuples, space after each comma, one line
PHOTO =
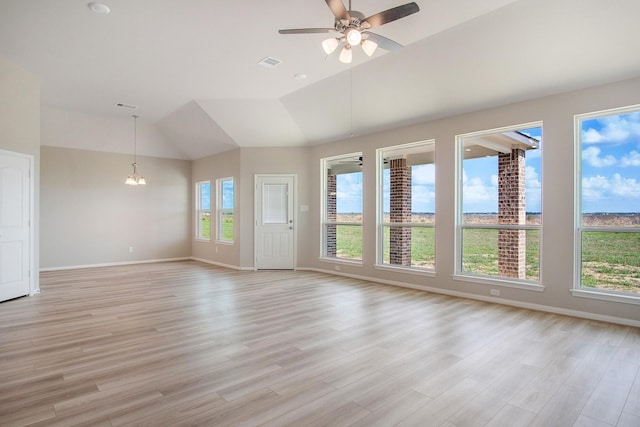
[(291, 160), (243, 164), (224, 165), (556, 113), (20, 130), (89, 216), (94, 220)]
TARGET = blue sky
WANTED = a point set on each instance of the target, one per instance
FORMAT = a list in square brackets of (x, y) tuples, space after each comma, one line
[(205, 196), (227, 195), (480, 180), (611, 164), (610, 174), (349, 193)]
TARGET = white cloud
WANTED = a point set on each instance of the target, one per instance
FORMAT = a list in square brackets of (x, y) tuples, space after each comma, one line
[(595, 187), (631, 159), (598, 187), (591, 155), (613, 130), (424, 174), (625, 187), (532, 178), (422, 198), (475, 190)]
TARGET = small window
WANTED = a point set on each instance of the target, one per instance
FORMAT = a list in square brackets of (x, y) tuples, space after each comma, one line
[(406, 205), (499, 210), (203, 210), (608, 183), (225, 210), (342, 207)]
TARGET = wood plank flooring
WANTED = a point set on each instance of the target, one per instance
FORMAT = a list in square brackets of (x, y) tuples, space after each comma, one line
[(185, 343)]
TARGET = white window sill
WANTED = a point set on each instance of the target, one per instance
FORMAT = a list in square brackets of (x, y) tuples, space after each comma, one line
[(341, 261), (225, 242), (485, 280), (408, 270), (200, 239), (606, 295)]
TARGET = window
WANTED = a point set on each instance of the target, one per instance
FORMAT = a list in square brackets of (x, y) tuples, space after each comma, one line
[(224, 212), (203, 210), (499, 214), (342, 207), (608, 185), (406, 206)]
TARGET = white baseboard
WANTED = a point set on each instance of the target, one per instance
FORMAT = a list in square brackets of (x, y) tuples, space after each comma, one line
[(113, 264), (519, 304), (220, 264)]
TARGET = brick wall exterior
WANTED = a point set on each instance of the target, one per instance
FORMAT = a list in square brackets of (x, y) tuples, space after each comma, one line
[(400, 195), (331, 214), (512, 244)]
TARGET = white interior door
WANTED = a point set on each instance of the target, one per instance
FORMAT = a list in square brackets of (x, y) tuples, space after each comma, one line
[(275, 227), (15, 190)]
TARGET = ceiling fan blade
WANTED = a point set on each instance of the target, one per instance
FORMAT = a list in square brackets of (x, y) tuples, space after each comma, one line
[(338, 9), (307, 30), (389, 15), (383, 42)]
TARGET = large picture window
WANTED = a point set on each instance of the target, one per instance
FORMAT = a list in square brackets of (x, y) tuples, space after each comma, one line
[(203, 210), (224, 210), (406, 206), (342, 207), (608, 185), (499, 212)]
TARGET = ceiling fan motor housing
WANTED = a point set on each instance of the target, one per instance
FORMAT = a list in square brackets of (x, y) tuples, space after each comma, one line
[(356, 20)]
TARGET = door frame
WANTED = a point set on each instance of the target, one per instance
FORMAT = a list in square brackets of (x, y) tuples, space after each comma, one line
[(34, 287), (257, 212)]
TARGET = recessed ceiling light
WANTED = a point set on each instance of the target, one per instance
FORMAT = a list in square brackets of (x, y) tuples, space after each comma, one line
[(300, 76), (99, 8)]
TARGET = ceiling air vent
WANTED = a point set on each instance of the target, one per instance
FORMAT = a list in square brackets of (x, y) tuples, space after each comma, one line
[(269, 62)]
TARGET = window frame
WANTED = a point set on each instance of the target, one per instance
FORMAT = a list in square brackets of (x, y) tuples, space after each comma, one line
[(485, 279), (220, 211), (324, 222), (577, 289), (200, 211), (380, 222)]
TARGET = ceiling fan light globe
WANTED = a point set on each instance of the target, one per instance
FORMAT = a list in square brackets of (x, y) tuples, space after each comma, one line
[(354, 37), (369, 47), (346, 55), (329, 45)]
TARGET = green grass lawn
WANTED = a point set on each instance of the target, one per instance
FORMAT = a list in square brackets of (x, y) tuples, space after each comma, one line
[(227, 227), (610, 260)]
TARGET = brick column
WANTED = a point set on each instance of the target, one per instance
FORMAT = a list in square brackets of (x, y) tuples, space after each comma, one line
[(512, 244), (331, 214), (400, 198)]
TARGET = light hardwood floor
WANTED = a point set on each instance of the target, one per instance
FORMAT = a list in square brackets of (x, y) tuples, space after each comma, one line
[(185, 343)]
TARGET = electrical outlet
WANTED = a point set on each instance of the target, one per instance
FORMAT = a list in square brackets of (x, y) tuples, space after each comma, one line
[(495, 292), (130, 249)]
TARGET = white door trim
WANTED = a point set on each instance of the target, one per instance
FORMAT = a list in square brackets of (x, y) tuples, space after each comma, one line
[(257, 213), (34, 287)]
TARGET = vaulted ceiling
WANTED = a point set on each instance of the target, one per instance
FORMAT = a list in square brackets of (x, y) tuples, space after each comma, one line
[(191, 66)]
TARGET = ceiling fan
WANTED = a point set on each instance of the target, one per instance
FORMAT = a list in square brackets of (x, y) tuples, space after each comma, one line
[(353, 29)]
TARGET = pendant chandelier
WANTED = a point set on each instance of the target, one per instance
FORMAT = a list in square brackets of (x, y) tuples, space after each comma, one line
[(135, 178)]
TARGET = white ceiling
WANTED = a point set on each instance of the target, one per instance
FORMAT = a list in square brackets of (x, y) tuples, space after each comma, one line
[(191, 65)]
